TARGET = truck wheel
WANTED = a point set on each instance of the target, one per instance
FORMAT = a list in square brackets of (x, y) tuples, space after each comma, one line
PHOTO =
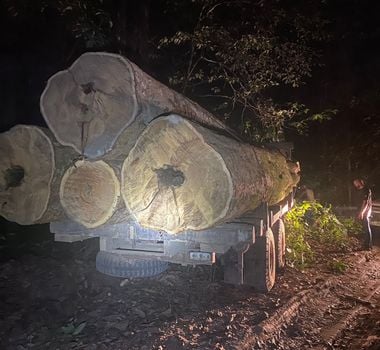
[(280, 243), (118, 265), (262, 264)]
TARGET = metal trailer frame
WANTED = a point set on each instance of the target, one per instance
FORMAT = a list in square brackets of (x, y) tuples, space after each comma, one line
[(229, 242)]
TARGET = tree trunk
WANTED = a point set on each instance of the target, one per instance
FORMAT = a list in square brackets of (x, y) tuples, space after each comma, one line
[(89, 105), (31, 167), (90, 193), (180, 175)]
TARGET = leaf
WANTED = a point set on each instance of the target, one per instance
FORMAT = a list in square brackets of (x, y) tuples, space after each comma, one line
[(69, 328), (79, 329)]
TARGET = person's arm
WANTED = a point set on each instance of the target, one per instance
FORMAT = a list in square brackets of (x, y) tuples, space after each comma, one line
[(363, 209)]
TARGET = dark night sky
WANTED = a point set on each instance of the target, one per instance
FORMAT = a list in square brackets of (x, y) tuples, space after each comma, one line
[(35, 45)]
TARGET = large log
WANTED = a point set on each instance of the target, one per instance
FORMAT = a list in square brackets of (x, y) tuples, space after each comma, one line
[(90, 192), (90, 189), (88, 105), (32, 163), (180, 175)]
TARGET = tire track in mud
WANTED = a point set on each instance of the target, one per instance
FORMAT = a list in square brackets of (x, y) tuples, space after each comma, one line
[(271, 329), (316, 317), (332, 333)]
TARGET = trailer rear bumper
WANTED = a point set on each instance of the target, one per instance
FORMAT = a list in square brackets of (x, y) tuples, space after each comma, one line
[(187, 248)]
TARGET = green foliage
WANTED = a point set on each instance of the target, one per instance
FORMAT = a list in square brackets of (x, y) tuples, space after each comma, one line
[(310, 224), (337, 266), (240, 52), (353, 227), (302, 124), (298, 251)]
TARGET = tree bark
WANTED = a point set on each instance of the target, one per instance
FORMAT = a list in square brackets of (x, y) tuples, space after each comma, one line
[(180, 176), (90, 192), (31, 168), (90, 104)]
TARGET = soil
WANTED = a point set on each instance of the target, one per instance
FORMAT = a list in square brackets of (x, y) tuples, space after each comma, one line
[(52, 297)]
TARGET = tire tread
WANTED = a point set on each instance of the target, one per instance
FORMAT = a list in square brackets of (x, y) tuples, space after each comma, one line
[(117, 265)]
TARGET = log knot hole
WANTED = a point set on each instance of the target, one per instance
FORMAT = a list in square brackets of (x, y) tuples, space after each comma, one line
[(13, 176), (168, 176), (88, 88)]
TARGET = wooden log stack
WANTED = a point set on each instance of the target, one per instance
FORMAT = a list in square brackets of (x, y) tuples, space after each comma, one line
[(119, 158)]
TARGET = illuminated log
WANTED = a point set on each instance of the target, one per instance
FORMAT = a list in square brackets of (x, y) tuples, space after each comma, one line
[(90, 192), (89, 105), (31, 167), (180, 175)]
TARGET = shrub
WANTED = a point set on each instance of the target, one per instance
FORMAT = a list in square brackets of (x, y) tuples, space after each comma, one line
[(312, 228), (354, 227)]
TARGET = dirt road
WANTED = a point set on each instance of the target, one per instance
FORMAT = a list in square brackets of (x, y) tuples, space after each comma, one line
[(51, 297)]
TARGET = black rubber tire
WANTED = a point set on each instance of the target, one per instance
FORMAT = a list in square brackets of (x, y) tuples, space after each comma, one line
[(280, 243), (118, 265), (264, 263)]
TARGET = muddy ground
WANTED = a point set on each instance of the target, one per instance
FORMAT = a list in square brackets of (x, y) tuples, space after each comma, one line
[(52, 297)]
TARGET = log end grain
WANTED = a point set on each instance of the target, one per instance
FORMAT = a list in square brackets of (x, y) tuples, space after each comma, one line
[(26, 171), (173, 180), (89, 193), (88, 105)]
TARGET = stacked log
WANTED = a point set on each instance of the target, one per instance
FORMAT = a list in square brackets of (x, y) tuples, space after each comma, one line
[(181, 176), (174, 172), (90, 189), (31, 168), (89, 105), (89, 193)]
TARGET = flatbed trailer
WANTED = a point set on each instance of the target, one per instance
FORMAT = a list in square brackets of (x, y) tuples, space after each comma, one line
[(251, 249)]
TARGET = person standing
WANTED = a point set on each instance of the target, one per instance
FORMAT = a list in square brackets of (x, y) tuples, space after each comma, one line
[(364, 210)]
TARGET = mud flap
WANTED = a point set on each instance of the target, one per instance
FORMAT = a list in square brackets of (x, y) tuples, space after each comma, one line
[(233, 264)]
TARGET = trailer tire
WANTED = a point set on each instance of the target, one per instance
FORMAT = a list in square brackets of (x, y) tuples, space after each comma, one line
[(280, 243), (262, 264), (118, 265)]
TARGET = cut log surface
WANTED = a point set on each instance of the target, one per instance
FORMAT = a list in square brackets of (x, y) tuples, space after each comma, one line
[(90, 192), (31, 167), (88, 105), (181, 176)]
